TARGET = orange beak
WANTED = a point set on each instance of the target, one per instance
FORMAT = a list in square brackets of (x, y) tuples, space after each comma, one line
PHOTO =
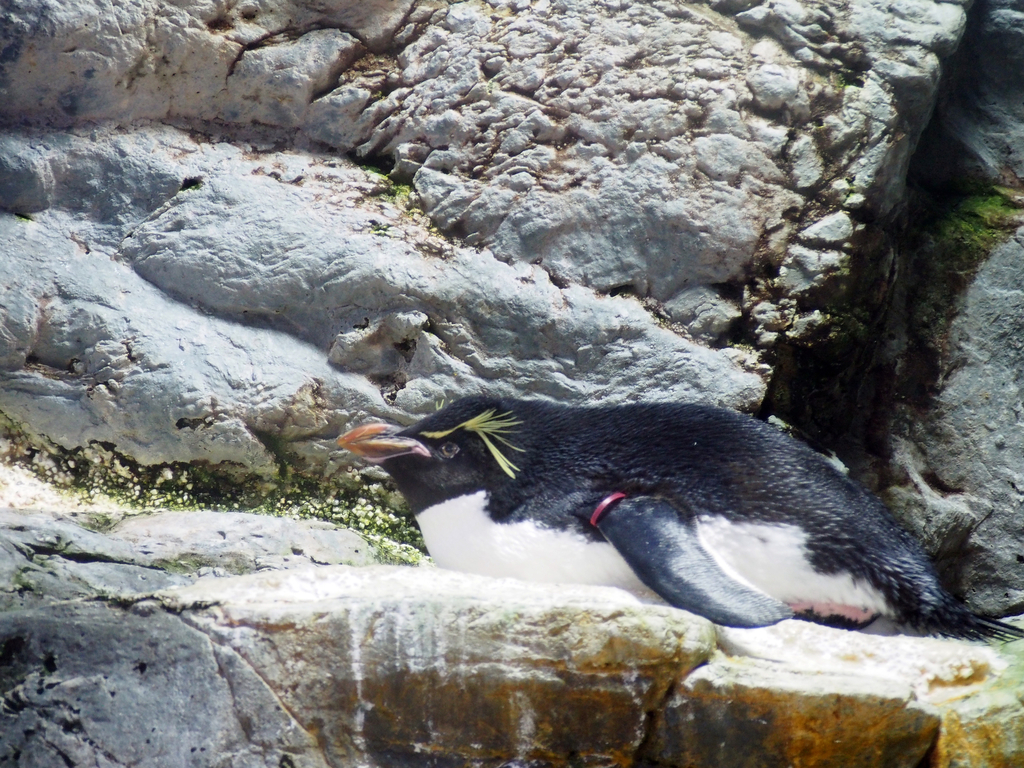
[(377, 442)]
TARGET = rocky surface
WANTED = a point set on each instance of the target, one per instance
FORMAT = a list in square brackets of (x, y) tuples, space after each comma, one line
[(587, 201), (954, 358), (88, 684), (310, 319), (46, 558), (977, 132), (605, 202), (964, 456), (681, 154), (956, 440), (484, 670), (311, 665)]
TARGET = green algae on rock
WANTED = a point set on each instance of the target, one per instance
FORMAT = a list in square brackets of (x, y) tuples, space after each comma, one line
[(98, 471)]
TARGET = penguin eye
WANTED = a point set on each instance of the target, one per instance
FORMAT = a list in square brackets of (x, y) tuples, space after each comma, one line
[(448, 450)]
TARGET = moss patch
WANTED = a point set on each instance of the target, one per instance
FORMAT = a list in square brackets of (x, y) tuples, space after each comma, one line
[(966, 229), (835, 379), (949, 239), (99, 472)]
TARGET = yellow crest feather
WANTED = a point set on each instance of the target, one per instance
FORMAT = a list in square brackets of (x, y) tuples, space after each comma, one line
[(489, 425)]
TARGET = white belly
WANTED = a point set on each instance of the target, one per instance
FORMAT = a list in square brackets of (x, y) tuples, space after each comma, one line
[(773, 559), (461, 536)]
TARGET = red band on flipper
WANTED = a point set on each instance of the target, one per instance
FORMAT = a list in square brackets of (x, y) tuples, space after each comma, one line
[(604, 505)]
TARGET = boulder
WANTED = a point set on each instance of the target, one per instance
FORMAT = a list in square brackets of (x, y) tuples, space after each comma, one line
[(977, 130), (88, 683), (239, 329), (200, 292), (963, 456), (383, 665)]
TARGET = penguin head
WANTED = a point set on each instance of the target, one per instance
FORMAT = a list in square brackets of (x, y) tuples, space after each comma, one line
[(471, 445)]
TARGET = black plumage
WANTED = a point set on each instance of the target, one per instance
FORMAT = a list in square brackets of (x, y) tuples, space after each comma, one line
[(676, 465)]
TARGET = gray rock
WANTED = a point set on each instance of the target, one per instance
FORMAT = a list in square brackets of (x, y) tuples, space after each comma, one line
[(238, 542), (808, 168), (26, 178), (194, 60), (978, 127), (156, 378), (581, 136), (806, 269), (587, 142), (276, 83), (706, 315), (584, 212), (91, 684), (344, 118), (198, 355), (832, 230), (44, 558), (774, 87), (965, 454)]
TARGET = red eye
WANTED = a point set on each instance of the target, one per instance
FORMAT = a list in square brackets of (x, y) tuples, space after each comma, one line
[(448, 450)]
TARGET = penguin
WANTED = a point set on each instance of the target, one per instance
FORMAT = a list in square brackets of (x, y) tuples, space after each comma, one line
[(712, 510)]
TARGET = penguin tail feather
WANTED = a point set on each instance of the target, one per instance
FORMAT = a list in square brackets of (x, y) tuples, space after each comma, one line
[(955, 620), (983, 628)]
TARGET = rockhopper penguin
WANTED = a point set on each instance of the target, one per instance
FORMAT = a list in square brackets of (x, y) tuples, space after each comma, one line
[(718, 513)]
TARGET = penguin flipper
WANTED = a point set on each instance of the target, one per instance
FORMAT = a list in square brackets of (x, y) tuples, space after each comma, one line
[(666, 555)]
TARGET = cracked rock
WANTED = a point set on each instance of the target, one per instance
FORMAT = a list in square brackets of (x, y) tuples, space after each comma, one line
[(805, 269), (91, 684), (257, 282), (276, 83), (615, 143), (584, 150)]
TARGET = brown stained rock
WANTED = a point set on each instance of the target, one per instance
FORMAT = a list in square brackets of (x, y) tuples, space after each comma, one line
[(388, 667), (419, 666), (392, 664), (747, 713), (986, 736), (985, 730)]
